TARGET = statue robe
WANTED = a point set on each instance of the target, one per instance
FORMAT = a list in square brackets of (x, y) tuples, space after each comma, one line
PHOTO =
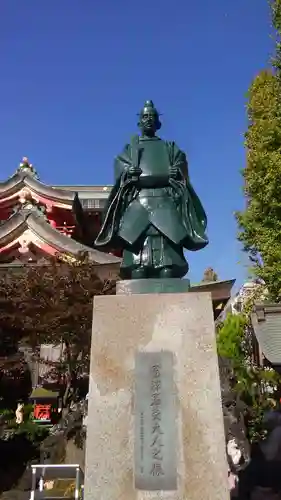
[(153, 204)]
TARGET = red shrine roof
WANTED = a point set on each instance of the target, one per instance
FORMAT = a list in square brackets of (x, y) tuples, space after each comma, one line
[(23, 183), (10, 189), (26, 179), (37, 231), (29, 210)]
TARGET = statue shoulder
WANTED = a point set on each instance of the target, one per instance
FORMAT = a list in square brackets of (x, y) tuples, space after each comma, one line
[(134, 142), (175, 151), (178, 157), (124, 159), (173, 145)]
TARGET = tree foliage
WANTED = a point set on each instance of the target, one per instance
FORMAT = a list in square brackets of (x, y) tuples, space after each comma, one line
[(230, 337), (260, 222), (32, 431), (256, 386), (276, 21), (53, 304)]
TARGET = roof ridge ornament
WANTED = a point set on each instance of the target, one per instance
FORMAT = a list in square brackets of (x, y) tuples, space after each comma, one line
[(26, 167)]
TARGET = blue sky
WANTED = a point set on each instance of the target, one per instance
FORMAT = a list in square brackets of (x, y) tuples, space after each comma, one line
[(74, 74)]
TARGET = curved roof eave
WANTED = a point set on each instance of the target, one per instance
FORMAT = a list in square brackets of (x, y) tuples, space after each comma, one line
[(63, 243), (18, 181), (18, 223), (12, 228)]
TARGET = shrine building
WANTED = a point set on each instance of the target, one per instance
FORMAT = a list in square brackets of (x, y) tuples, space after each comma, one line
[(39, 221)]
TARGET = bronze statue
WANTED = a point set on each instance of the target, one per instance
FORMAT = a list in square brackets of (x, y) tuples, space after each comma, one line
[(153, 212)]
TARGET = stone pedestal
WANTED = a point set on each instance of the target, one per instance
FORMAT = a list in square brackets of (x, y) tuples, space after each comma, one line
[(181, 323), (169, 285)]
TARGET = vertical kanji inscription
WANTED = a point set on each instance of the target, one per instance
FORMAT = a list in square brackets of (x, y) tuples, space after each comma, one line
[(155, 422)]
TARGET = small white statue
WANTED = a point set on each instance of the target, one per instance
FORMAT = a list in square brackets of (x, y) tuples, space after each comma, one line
[(233, 451), (235, 456), (19, 413)]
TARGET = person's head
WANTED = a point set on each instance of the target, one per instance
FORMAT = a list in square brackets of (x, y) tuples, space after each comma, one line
[(149, 119)]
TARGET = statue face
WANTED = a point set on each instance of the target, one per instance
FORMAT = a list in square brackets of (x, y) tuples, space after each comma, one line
[(149, 122)]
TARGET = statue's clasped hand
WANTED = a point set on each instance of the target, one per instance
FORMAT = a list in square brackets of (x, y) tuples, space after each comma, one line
[(134, 171)]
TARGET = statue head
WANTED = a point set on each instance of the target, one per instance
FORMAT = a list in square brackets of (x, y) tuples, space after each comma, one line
[(149, 119)]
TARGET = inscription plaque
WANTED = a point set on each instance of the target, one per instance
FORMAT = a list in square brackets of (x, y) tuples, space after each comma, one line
[(155, 449)]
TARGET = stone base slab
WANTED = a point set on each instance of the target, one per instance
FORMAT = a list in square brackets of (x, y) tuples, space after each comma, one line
[(178, 322)]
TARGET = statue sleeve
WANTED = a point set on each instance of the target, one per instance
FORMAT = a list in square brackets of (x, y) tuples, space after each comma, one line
[(178, 159), (122, 162), (183, 164)]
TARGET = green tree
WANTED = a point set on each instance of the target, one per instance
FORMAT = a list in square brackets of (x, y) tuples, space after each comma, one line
[(230, 338), (254, 385), (260, 222)]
